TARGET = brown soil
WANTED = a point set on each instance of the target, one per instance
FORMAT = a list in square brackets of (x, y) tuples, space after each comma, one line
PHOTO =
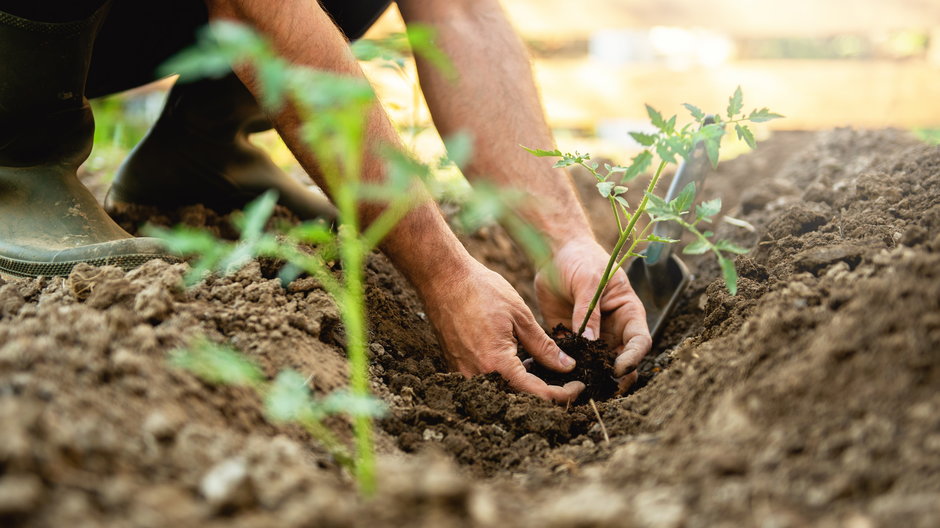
[(595, 366), (809, 398)]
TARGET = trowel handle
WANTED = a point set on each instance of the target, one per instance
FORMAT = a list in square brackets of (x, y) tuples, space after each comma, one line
[(692, 170)]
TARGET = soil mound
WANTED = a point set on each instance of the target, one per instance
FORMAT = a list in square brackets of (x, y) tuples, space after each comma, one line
[(809, 398)]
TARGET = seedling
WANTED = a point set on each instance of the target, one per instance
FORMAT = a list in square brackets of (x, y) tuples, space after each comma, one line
[(333, 111), (669, 144), (286, 398)]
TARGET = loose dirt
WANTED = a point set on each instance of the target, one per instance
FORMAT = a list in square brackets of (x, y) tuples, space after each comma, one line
[(809, 398)]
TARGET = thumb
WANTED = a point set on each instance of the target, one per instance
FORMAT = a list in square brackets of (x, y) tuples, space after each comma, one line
[(582, 302), (540, 346)]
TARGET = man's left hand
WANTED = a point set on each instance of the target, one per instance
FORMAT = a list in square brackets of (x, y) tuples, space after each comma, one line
[(565, 289)]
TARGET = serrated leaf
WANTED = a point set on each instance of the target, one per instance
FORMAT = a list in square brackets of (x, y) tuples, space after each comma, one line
[(665, 152), (735, 102), (656, 201), (564, 162), (745, 133), (740, 223), (345, 402), (671, 125), (217, 364), (696, 112), (730, 247), (288, 398), (619, 189), (696, 248), (459, 148), (664, 240), (644, 139), (683, 202), (605, 187), (542, 153), (256, 215), (639, 164), (312, 232), (763, 115), (712, 146), (707, 209), (730, 274), (656, 118)]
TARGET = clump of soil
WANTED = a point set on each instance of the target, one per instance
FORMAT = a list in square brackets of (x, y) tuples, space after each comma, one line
[(595, 367)]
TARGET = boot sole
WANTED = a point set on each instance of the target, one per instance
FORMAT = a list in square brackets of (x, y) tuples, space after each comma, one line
[(30, 269)]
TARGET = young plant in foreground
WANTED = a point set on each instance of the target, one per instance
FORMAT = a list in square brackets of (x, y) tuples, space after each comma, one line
[(668, 143), (286, 398), (333, 110)]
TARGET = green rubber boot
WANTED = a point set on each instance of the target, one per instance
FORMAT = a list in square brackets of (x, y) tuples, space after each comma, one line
[(49, 222), (198, 153)]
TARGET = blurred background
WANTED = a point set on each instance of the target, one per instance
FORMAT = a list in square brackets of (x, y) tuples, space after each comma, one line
[(821, 63)]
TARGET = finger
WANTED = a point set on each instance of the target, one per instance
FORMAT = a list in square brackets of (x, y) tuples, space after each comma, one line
[(521, 380), (582, 303), (638, 342), (540, 346), (625, 382)]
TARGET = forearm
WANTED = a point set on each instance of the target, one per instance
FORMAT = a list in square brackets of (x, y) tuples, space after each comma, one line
[(303, 34), (495, 99)]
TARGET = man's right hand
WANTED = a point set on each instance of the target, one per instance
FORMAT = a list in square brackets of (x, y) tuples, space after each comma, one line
[(479, 319)]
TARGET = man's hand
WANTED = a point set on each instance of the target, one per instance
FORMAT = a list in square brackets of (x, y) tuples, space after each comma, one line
[(565, 291), (479, 317)]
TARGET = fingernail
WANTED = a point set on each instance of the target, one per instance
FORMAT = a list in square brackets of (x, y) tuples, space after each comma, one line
[(565, 360), (589, 334)]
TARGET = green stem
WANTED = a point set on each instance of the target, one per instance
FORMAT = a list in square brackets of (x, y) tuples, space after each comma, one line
[(641, 208)]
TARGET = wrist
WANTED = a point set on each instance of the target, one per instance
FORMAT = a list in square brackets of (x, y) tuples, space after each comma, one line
[(424, 249)]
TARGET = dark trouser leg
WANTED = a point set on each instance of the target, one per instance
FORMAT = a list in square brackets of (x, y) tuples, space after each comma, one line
[(48, 221)]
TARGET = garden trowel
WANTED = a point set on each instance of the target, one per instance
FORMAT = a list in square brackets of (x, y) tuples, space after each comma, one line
[(661, 277)]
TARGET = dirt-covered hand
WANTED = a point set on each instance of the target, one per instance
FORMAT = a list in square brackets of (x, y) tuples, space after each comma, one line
[(565, 289), (479, 318)]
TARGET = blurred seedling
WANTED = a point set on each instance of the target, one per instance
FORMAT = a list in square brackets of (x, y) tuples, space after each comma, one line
[(333, 110), (286, 399), (669, 144)]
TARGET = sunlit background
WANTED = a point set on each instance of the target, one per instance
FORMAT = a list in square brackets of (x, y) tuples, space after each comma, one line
[(822, 63)]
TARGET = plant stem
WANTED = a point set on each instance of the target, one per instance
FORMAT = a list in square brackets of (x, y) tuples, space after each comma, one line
[(608, 273)]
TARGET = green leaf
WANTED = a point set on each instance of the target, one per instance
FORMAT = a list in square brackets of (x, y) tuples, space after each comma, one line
[(696, 112), (619, 189), (216, 363), (459, 148), (656, 201), (422, 39), (639, 164), (622, 201), (543, 153), (665, 152), (681, 146), (656, 118), (312, 232), (664, 240), (707, 209), (345, 402), (256, 215), (696, 248), (763, 115), (646, 140), (670, 125), (745, 133), (288, 398), (605, 187), (683, 202), (730, 274), (730, 247), (735, 102), (712, 146)]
